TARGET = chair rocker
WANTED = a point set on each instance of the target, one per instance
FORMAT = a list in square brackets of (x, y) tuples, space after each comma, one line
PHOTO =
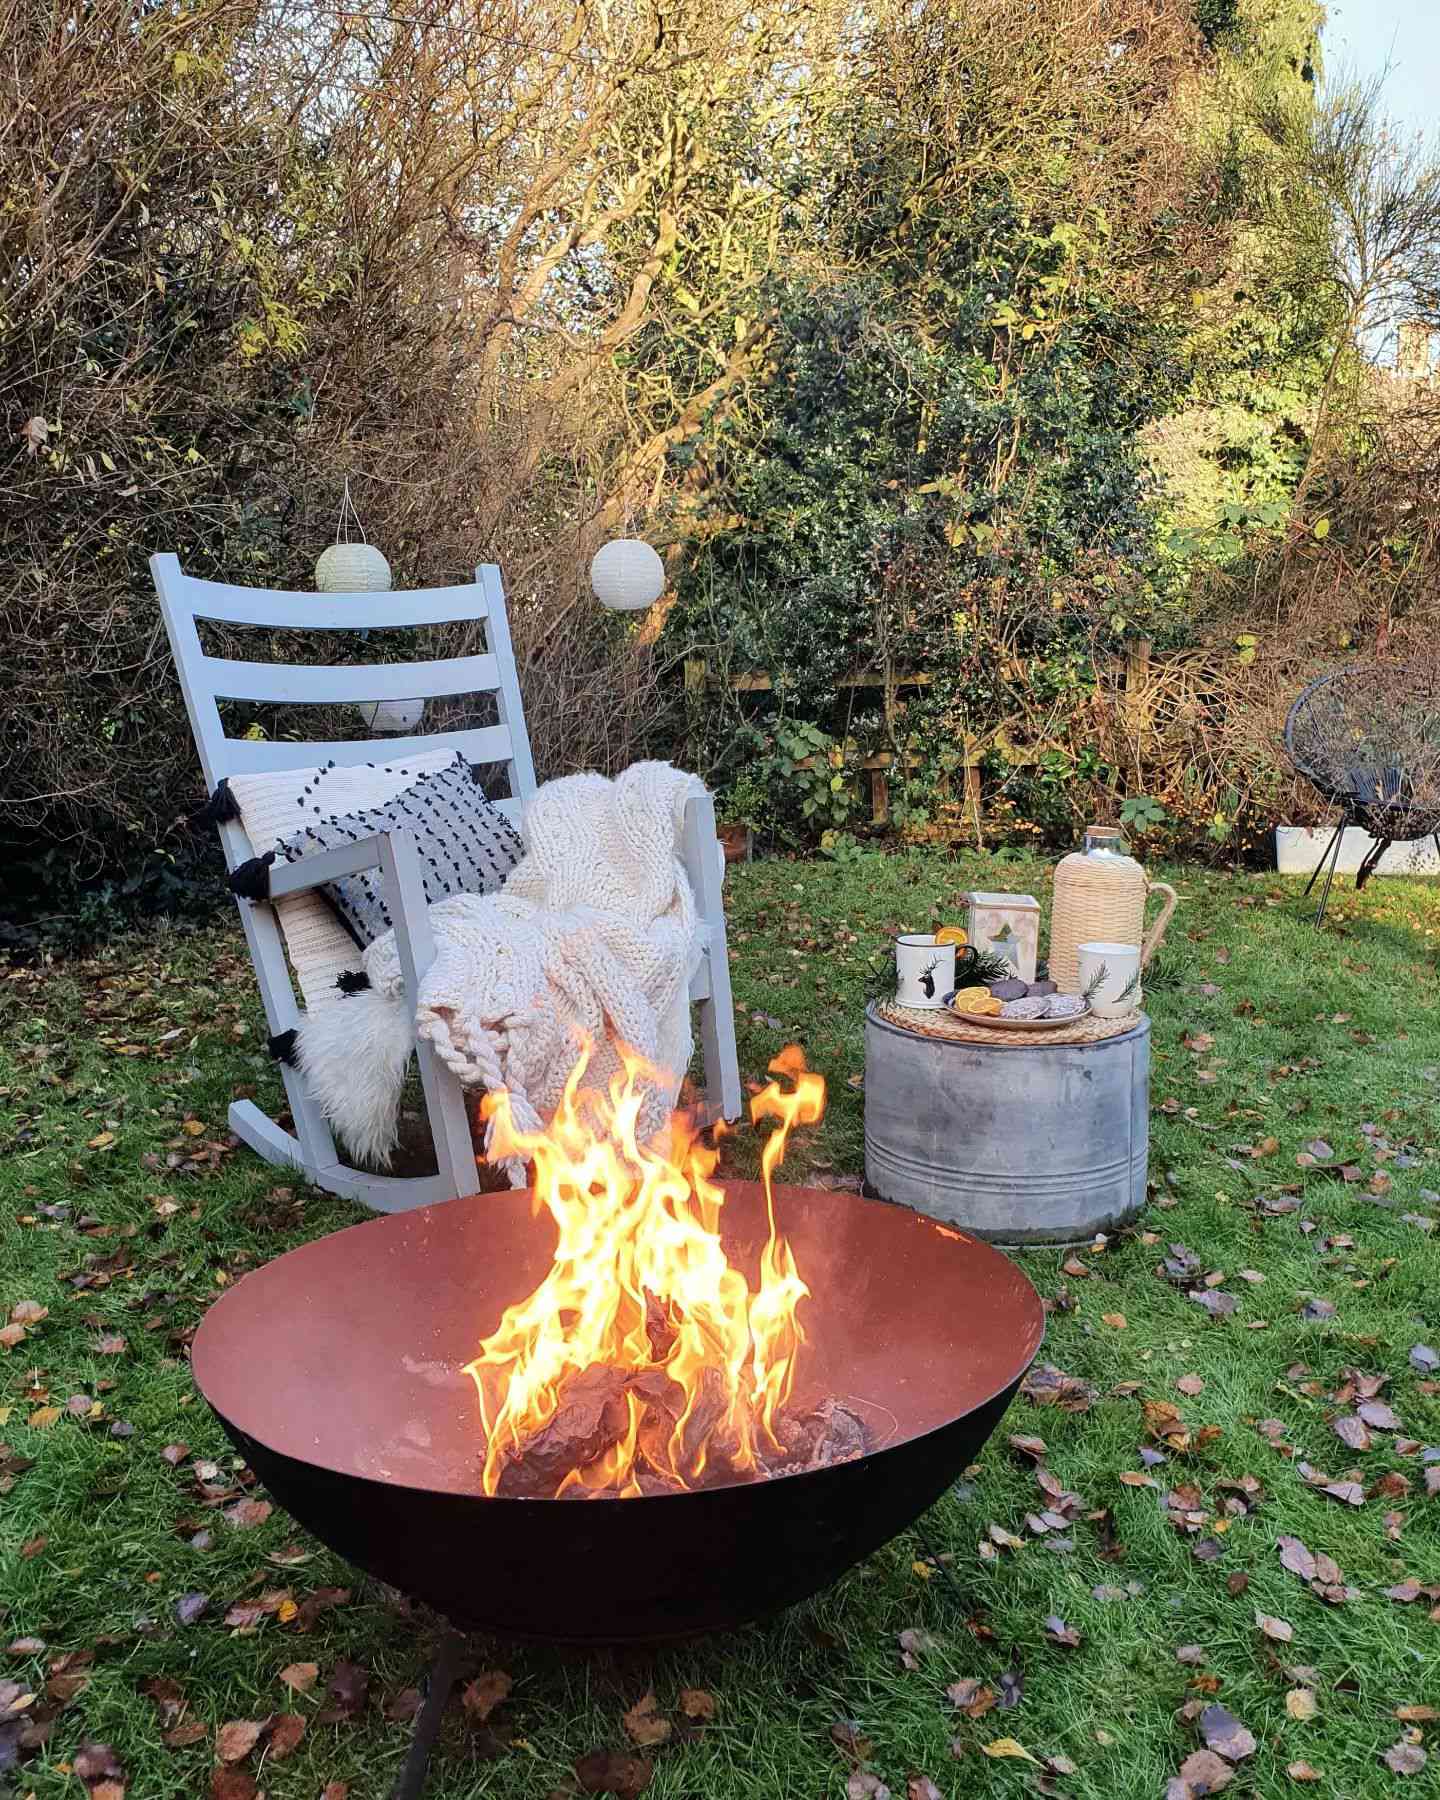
[(296, 933)]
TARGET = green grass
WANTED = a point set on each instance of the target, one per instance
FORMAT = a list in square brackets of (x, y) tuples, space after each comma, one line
[(1314, 1036)]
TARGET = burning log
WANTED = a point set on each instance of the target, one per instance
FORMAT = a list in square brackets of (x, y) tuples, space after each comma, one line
[(592, 1417)]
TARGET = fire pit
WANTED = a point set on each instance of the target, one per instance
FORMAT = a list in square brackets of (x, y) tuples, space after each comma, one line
[(666, 1408), (337, 1370)]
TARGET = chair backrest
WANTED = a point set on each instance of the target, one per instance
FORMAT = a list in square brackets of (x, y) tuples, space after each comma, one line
[(206, 680), (1369, 734)]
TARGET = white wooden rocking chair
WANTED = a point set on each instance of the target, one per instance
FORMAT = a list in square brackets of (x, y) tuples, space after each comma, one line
[(297, 921)]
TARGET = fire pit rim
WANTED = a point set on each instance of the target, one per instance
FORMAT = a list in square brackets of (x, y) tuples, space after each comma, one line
[(989, 1253)]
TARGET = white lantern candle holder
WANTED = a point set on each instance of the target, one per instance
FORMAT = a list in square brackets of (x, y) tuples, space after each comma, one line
[(627, 575)]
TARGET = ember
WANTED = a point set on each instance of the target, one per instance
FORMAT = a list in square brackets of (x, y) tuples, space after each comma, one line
[(644, 1363)]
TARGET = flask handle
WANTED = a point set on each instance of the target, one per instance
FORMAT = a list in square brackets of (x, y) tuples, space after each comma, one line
[(1156, 934)]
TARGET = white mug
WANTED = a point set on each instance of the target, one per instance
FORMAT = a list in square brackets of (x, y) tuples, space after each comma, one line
[(1118, 969), (924, 971)]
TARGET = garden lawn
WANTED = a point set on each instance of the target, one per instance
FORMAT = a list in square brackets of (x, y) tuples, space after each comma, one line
[(147, 1602)]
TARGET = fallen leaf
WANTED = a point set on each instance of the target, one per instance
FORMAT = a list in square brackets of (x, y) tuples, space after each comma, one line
[(1202, 1772), (1060, 1633), (237, 1739), (232, 1784), (109, 1343), (862, 1785), (1423, 1358), (1379, 1415), (168, 1695), (286, 1731), (613, 1772), (404, 1705), (335, 1790), (1418, 1715), (1191, 1654), (1008, 1747), (1302, 1771), (97, 1762), (645, 1724), (1116, 1321), (1224, 1733), (189, 1607), (851, 1741), (246, 1513), (1405, 1758), (349, 1688), (698, 1703), (1191, 1385), (485, 1693), (193, 1731), (971, 1697), (921, 1787), (1279, 1631), (1351, 1432), (43, 1418), (1300, 1704), (300, 1675)]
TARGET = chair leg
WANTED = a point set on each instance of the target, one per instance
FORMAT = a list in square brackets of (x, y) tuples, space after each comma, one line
[(1334, 861), (1372, 861), (1339, 833), (381, 1193)]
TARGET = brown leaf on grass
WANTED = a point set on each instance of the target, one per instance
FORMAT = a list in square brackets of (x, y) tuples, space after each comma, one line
[(1029, 1446), (1432, 1480), (32, 1547), (43, 1418), (11, 1336), (862, 1785), (1406, 1758), (645, 1724), (1417, 1715), (1302, 1771), (109, 1343), (1202, 1772), (349, 1689), (921, 1787), (28, 1312), (1225, 1734), (613, 1772), (192, 1731), (971, 1697), (300, 1675), (1116, 1321), (698, 1704), (232, 1784), (98, 1763), (1280, 1631), (335, 1790), (1378, 1414), (286, 1731), (485, 1692), (175, 1453), (914, 1644), (1300, 1704), (246, 1513), (404, 1705), (1296, 1557), (168, 1695), (852, 1743), (1191, 1385), (237, 1739), (1351, 1431), (1191, 1654), (1060, 1633)]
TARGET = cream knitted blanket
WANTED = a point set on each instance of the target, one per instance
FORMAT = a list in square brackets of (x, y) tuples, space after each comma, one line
[(592, 939)]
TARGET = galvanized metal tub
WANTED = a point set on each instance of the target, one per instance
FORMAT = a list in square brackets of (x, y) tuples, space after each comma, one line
[(1020, 1142)]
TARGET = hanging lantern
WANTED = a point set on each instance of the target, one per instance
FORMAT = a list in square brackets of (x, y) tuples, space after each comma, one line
[(350, 566), (627, 575)]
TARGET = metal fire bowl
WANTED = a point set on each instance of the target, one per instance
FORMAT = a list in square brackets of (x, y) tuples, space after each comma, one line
[(336, 1371)]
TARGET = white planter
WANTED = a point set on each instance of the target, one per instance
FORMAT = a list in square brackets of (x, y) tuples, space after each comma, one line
[(1298, 848)]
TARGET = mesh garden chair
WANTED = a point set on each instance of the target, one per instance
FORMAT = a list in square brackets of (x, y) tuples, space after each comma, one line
[(1367, 738), (296, 933)]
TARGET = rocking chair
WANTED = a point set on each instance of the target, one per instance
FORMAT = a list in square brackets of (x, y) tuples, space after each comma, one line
[(296, 932), (1368, 739)]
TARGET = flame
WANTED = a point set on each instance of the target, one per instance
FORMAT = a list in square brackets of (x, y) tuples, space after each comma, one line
[(679, 1358)]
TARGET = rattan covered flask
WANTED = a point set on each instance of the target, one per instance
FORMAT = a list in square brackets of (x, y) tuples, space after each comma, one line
[(1100, 894)]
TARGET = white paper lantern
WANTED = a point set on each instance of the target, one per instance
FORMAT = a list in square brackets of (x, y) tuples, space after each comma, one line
[(627, 575), (392, 715), (352, 569)]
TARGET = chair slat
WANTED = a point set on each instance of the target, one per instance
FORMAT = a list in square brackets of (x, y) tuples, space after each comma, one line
[(307, 684), (245, 756), (331, 612)]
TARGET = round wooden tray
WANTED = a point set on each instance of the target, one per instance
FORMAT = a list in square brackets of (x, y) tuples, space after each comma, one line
[(970, 1028)]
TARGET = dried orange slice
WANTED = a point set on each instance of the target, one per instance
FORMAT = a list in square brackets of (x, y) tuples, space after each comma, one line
[(952, 934), (975, 1000)]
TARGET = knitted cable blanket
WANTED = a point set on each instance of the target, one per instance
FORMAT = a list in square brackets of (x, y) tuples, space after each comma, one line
[(591, 940)]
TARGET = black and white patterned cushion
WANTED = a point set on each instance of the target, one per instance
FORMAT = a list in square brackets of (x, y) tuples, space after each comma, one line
[(466, 845)]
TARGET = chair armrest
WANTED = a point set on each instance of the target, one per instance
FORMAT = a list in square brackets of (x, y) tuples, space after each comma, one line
[(329, 865)]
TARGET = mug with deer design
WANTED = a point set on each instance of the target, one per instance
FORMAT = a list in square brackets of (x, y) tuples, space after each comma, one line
[(924, 971)]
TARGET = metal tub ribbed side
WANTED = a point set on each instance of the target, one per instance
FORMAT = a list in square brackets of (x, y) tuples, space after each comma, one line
[(1019, 1143)]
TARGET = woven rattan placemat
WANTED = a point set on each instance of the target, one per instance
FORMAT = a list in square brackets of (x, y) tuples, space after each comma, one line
[(946, 1024)]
